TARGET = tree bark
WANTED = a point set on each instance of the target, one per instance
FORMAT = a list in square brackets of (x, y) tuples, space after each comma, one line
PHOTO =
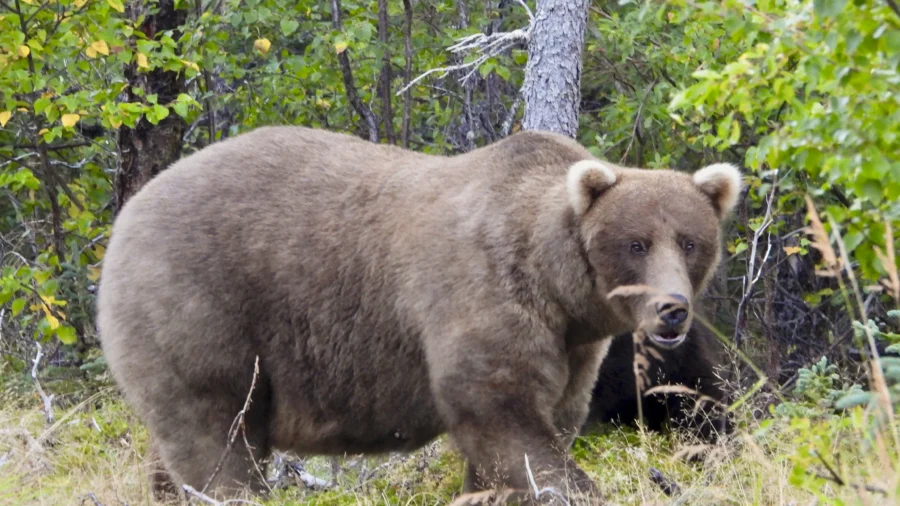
[(407, 70), (387, 114), (147, 149), (553, 74), (347, 73)]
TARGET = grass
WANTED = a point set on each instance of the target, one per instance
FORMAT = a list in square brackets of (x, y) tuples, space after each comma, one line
[(94, 454)]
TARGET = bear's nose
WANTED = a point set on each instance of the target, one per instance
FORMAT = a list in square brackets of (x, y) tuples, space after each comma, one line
[(673, 312)]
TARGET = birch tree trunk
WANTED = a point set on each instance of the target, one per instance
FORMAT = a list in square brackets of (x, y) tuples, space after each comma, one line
[(552, 84)]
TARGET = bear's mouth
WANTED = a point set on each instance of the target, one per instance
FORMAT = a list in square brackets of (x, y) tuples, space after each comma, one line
[(667, 339)]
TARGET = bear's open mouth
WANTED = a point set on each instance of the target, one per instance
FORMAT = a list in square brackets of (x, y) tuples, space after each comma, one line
[(667, 339)]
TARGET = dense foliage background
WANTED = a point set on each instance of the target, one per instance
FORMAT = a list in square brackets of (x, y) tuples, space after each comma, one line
[(97, 96)]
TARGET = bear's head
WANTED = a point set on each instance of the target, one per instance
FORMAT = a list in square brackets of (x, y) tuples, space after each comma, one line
[(652, 239)]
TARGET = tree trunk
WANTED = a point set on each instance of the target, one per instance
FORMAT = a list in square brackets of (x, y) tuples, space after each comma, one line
[(553, 74), (386, 78), (148, 149)]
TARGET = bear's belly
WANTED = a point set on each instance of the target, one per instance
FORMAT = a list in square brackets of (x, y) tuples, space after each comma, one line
[(398, 441), (348, 433)]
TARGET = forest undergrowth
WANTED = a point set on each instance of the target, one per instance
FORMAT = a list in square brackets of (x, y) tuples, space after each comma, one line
[(802, 453)]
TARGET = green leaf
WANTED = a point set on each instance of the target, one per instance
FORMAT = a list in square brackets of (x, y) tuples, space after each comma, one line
[(289, 26), (829, 8), (66, 334), (852, 400), (17, 306)]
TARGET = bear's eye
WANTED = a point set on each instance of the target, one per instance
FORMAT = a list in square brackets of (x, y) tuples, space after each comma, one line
[(688, 246), (638, 247)]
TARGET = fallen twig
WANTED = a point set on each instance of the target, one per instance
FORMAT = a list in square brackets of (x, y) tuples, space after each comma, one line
[(669, 487), (538, 493), (191, 491), (310, 481), (93, 499)]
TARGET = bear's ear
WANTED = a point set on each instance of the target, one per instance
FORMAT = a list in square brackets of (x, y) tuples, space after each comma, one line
[(721, 182), (586, 180)]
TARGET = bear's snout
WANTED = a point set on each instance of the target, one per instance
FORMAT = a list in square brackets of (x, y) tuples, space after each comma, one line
[(673, 312), (672, 322)]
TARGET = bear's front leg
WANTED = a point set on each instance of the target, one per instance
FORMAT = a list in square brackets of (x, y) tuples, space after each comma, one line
[(572, 410), (498, 410)]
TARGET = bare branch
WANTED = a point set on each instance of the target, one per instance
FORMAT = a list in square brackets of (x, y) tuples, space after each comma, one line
[(750, 280), (894, 7), (486, 46), (48, 406), (236, 426)]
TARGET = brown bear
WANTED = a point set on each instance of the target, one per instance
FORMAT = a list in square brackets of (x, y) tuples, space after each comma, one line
[(696, 364), (391, 296)]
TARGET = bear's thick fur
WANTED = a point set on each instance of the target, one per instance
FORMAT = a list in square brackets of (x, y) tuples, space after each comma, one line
[(392, 296), (695, 364)]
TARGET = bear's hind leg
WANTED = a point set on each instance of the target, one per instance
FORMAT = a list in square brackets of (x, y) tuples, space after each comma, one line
[(192, 438), (196, 452)]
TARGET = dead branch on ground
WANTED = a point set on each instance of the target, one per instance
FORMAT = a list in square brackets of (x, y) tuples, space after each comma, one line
[(192, 492), (669, 487)]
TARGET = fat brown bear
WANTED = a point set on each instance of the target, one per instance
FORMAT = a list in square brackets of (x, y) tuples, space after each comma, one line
[(392, 296), (695, 364)]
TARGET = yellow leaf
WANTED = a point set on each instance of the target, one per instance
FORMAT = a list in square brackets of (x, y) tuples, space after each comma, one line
[(69, 120), (116, 4), (792, 250), (4, 118), (24, 51), (54, 323), (262, 45), (22, 109), (340, 47), (93, 273), (142, 61), (43, 131), (195, 66), (79, 3), (52, 301), (90, 52), (101, 47)]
